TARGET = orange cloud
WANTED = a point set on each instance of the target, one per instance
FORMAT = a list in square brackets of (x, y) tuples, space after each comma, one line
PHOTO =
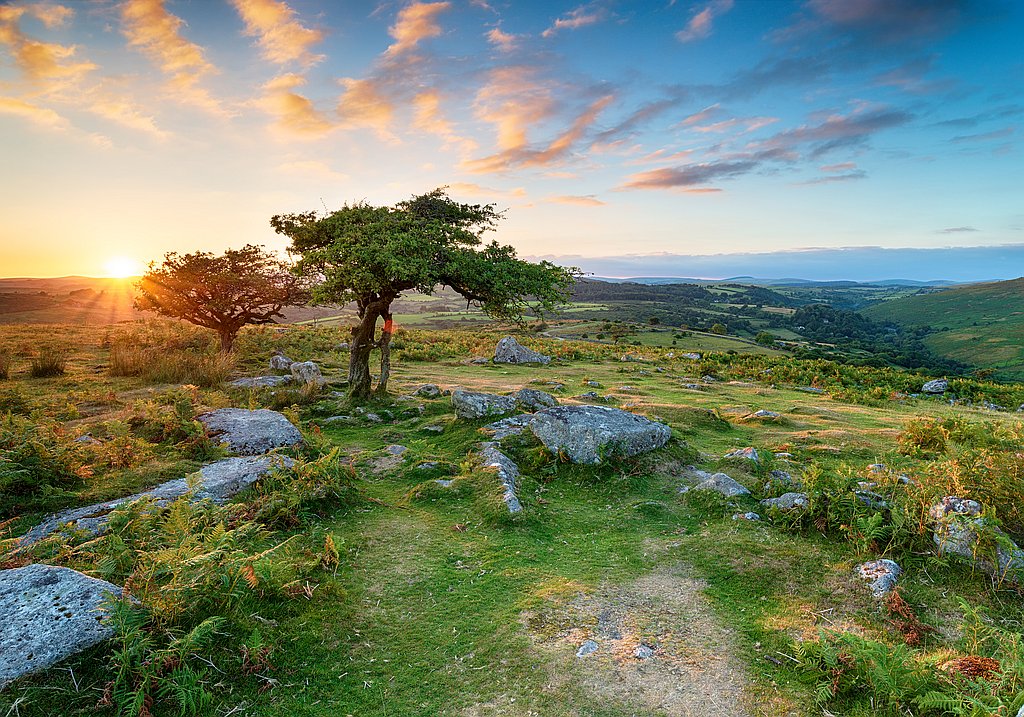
[(118, 108), (699, 26), (41, 116), (48, 64), (364, 105), (415, 23), (281, 37), (295, 115), (512, 100), (312, 168), (504, 41), (576, 19), (429, 118), (585, 201)]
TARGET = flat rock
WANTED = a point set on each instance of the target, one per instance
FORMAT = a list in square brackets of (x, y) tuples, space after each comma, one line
[(511, 426), (250, 433), (587, 434), (508, 473), (509, 350), (280, 362), (787, 502), (48, 614), (428, 390), (587, 648), (474, 404), (530, 399), (881, 574), (763, 415), (723, 484), (306, 372), (260, 381)]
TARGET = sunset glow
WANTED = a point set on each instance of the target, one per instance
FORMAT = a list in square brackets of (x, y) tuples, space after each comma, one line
[(121, 267)]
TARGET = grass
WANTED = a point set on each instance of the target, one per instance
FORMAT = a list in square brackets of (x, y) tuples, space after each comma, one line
[(442, 609)]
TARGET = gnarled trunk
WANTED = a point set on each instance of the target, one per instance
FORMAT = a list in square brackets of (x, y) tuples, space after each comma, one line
[(227, 340), (385, 354), (363, 343)]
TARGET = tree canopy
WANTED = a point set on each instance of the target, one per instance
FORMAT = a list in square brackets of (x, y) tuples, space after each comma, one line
[(369, 255), (224, 293)]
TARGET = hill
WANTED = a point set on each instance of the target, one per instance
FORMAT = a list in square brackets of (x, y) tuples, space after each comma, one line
[(981, 325)]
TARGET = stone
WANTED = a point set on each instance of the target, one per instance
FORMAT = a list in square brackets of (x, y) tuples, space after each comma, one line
[(810, 389), (217, 481), (751, 517), (433, 428), (473, 404), (337, 419), (784, 456), (764, 414), (306, 372), (86, 439), (47, 614), (508, 473), (593, 384), (479, 360), (587, 648), (428, 390), (958, 529), (937, 386), (250, 433), (260, 382), (690, 356), (787, 502), (509, 350), (507, 427), (588, 434), (871, 499), (643, 652), (589, 396), (280, 362), (708, 379), (530, 399), (444, 482), (343, 346), (723, 484), (881, 574), (748, 453), (693, 386)]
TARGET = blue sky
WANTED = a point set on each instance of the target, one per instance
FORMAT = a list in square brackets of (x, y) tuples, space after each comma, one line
[(641, 133)]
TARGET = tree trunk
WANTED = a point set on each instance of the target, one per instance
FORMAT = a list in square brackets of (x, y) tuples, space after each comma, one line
[(359, 355), (227, 340), (385, 355)]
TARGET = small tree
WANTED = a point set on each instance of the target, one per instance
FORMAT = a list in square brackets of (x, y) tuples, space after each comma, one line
[(720, 329), (765, 338), (224, 293), (370, 255)]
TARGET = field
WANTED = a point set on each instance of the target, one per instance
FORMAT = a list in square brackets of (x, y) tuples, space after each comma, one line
[(421, 601)]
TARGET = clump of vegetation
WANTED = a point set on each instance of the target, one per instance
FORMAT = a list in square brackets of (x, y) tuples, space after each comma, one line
[(168, 357), (5, 366), (37, 465), (48, 362)]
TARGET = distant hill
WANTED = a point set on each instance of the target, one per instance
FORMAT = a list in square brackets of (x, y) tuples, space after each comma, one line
[(67, 299), (783, 282), (980, 324)]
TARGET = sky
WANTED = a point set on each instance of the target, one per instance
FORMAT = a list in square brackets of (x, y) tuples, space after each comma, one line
[(626, 138)]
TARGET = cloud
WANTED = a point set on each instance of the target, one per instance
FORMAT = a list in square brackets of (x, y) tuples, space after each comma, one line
[(588, 200), (119, 108), (639, 117), (745, 124), (415, 23), (295, 114), (428, 117), (475, 190), (837, 131), (49, 66), (504, 41), (889, 21), (156, 32), (832, 178), (36, 115), (580, 17), (312, 168), (956, 230), (513, 100), (690, 175), (841, 167), (281, 37), (700, 25), (985, 136)]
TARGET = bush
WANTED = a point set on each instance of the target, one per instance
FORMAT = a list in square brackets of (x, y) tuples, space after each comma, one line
[(5, 367), (48, 363)]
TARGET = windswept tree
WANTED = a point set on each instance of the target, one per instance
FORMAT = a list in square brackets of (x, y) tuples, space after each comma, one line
[(370, 255), (224, 293)]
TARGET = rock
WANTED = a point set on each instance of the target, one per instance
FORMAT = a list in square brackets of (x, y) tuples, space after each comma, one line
[(877, 468), (260, 382), (391, 459), (530, 399), (588, 647), (708, 379), (723, 484), (280, 362), (784, 456), (871, 499), (508, 473), (763, 414), (693, 386), (752, 517), (881, 574), (343, 346), (939, 385), (473, 404), (748, 453), (959, 529), (434, 428), (631, 358), (306, 372), (479, 360), (643, 652), (395, 450), (589, 396), (250, 433), (373, 417), (509, 350), (511, 426), (217, 482), (587, 434), (428, 390), (86, 439), (787, 502), (810, 389), (593, 384), (444, 482), (48, 614), (337, 419), (690, 356)]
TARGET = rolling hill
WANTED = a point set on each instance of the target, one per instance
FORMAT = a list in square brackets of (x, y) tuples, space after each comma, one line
[(981, 324)]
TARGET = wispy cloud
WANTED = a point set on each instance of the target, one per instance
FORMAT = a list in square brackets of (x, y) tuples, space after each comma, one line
[(956, 230), (282, 38), (588, 200), (295, 114), (49, 65), (986, 136), (415, 23), (692, 175), (364, 105), (39, 116), (833, 178), (580, 17), (504, 41), (700, 25), (429, 117)]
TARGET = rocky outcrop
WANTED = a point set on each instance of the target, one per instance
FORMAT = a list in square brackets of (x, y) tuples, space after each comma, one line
[(588, 434), (473, 404), (723, 484), (250, 433), (260, 382), (530, 399), (507, 471), (507, 427), (880, 574), (280, 362), (509, 350), (306, 372), (958, 529), (939, 385), (48, 614), (787, 502)]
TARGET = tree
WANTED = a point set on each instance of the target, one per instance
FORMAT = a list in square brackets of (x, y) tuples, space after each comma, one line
[(765, 338), (720, 329), (370, 255), (224, 293)]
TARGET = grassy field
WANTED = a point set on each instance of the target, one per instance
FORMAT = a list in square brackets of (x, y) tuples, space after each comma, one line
[(981, 325), (438, 605)]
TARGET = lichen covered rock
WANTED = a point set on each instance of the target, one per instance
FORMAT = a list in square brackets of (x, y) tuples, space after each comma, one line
[(587, 434)]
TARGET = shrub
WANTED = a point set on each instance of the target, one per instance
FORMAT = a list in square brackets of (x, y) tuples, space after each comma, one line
[(36, 463), (48, 363), (5, 367), (158, 365)]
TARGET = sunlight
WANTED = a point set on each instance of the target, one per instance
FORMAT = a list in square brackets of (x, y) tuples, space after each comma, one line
[(121, 267)]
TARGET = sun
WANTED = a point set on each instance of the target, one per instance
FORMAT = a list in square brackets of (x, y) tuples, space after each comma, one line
[(121, 267)]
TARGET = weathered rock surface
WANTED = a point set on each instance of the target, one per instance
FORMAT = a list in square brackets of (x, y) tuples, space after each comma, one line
[(960, 530), (787, 501), (763, 414), (217, 482), (507, 471), (280, 362), (586, 434), (722, 483), (881, 574), (428, 390), (306, 372), (750, 517), (511, 426), (939, 385), (530, 399), (46, 615), (509, 350), (473, 404), (260, 381), (748, 453), (250, 433)]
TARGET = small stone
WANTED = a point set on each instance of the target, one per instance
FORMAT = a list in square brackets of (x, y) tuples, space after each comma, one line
[(787, 502), (748, 453), (280, 362), (643, 652), (306, 372), (444, 482), (373, 417), (752, 517), (723, 484), (434, 428), (690, 356), (881, 574), (395, 450), (260, 382), (592, 384), (507, 427), (530, 399), (428, 390), (475, 404), (588, 647), (764, 414)]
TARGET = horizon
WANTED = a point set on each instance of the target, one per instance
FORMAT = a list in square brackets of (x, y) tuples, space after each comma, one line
[(140, 127)]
